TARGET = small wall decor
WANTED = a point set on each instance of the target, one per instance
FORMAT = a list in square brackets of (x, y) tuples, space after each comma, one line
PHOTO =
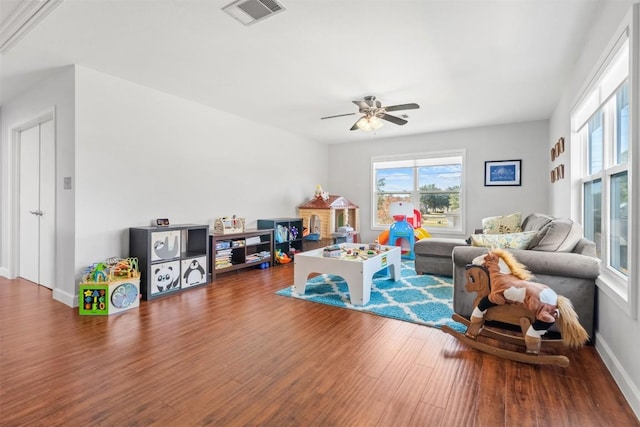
[(502, 173), (557, 149), (557, 173)]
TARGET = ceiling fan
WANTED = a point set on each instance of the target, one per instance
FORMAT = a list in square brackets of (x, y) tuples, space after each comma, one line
[(373, 111)]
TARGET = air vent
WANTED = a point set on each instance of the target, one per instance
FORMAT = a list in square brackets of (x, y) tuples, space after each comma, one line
[(251, 11)]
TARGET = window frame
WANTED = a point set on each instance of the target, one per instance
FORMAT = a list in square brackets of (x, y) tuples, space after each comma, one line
[(623, 290), (617, 283), (415, 193)]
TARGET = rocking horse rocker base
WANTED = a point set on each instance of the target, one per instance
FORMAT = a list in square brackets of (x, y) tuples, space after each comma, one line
[(505, 295), (517, 356)]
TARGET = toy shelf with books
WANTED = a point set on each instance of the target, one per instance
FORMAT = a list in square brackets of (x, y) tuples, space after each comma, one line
[(232, 252)]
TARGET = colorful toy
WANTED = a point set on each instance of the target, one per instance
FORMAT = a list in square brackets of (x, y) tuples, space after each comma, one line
[(418, 233), (333, 251), (398, 210), (324, 216), (110, 287), (320, 194), (293, 232), (401, 234), (505, 294), (282, 258), (228, 225)]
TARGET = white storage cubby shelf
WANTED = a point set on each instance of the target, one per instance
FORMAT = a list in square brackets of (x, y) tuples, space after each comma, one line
[(171, 258)]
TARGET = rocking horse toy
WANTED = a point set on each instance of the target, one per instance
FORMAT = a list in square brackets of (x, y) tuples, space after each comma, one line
[(505, 295)]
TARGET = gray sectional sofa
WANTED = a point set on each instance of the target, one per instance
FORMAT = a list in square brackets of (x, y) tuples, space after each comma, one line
[(557, 255)]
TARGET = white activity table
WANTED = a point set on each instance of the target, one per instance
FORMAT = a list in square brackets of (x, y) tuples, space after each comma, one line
[(356, 271)]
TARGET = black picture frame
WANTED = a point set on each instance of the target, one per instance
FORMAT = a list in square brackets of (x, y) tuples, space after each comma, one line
[(503, 173)]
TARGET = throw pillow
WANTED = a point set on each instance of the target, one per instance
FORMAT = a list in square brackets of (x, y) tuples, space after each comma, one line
[(535, 222), (504, 241), (559, 235), (502, 224)]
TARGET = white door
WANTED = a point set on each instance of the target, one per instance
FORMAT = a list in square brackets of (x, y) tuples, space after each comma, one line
[(37, 204)]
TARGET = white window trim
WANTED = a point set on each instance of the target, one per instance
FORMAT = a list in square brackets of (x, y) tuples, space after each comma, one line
[(411, 156), (624, 292)]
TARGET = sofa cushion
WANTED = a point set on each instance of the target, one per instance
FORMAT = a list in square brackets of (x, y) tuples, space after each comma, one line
[(535, 222), (437, 246), (504, 241), (502, 224), (559, 235)]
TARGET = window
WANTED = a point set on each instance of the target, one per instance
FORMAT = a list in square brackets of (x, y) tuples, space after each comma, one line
[(431, 182), (602, 128)]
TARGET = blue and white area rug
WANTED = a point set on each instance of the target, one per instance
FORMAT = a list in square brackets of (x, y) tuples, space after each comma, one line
[(422, 299)]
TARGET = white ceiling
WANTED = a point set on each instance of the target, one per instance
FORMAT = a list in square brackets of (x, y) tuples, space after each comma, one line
[(466, 62)]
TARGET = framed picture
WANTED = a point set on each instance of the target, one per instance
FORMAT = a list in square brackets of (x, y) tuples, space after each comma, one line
[(502, 172)]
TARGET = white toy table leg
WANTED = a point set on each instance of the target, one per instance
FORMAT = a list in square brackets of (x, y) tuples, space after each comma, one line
[(301, 271)]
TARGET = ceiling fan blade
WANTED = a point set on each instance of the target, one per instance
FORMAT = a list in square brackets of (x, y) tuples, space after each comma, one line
[(355, 125), (393, 119), (412, 106), (337, 115)]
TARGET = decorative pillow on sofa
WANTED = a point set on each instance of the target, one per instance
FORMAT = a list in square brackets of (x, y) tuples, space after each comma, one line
[(559, 235), (502, 224), (504, 241), (535, 222)]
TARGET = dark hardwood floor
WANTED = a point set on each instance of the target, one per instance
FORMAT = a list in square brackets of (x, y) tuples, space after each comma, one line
[(234, 353)]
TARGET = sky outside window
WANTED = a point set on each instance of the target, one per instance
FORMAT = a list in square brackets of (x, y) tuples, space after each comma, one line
[(401, 179)]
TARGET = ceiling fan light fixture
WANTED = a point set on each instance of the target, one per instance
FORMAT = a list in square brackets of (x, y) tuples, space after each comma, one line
[(369, 123)]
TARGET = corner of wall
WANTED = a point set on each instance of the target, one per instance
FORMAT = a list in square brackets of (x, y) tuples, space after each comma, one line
[(620, 375), (65, 297)]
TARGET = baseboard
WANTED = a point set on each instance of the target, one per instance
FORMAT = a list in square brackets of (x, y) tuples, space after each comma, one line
[(65, 297), (620, 376), (4, 272)]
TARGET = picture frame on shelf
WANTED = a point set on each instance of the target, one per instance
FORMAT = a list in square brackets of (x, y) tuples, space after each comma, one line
[(502, 173)]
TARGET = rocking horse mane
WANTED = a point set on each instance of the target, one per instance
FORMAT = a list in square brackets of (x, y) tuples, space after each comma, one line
[(517, 269)]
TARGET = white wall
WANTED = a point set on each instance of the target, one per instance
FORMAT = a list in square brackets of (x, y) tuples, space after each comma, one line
[(55, 92), (143, 154), (616, 332), (350, 169)]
